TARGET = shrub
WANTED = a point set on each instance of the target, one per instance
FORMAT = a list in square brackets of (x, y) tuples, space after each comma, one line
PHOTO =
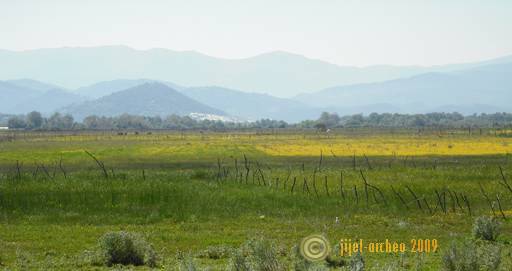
[(486, 228), (263, 255), (256, 255), (186, 262), (489, 256), (357, 262), (126, 248), (463, 258), (238, 262), (472, 256)]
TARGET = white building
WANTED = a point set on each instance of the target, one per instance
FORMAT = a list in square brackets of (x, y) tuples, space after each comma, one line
[(4, 128)]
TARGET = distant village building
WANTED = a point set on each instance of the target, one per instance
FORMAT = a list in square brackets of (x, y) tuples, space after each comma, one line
[(4, 128)]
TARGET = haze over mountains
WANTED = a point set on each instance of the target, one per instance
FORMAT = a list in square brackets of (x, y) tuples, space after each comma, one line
[(481, 89), (277, 73), (33, 84), (253, 106), (278, 85), (22, 96)]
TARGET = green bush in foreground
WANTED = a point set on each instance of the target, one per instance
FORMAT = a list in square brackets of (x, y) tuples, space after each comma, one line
[(126, 248), (261, 254), (357, 262), (238, 262), (256, 255), (186, 262), (264, 255), (460, 258), (472, 256), (486, 228)]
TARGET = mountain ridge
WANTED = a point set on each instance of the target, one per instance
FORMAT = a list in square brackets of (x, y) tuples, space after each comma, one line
[(252, 106), (105, 88), (488, 85), (279, 74), (148, 99)]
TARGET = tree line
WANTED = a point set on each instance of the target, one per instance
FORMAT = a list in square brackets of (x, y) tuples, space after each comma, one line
[(36, 121), (441, 120)]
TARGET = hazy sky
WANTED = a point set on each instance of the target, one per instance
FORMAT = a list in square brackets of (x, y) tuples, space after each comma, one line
[(345, 32)]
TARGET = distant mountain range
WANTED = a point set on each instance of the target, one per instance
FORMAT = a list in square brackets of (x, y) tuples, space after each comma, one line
[(49, 101), (482, 87), (22, 96), (147, 99), (252, 106), (105, 88), (278, 73), (11, 94), (33, 85)]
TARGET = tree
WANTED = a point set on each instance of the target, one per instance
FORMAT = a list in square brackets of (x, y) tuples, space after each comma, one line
[(67, 121), (126, 121), (59, 122), (321, 126), (91, 122), (94, 122), (16, 122), (34, 120), (355, 121), (329, 120)]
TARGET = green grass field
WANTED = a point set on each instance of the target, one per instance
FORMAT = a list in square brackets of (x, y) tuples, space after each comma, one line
[(192, 191)]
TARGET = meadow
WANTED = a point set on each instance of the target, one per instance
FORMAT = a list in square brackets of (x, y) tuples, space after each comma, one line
[(198, 191)]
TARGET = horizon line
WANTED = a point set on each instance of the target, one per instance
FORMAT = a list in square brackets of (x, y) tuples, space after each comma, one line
[(255, 56)]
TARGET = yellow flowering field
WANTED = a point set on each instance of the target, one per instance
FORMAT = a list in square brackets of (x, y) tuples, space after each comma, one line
[(384, 145)]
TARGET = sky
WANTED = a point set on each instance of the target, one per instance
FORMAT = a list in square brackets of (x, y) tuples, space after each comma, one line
[(343, 32)]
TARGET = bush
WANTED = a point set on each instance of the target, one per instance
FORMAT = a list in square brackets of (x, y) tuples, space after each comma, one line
[(256, 255), (472, 256), (186, 262), (126, 248), (490, 257), (238, 262), (486, 228), (263, 255), (357, 262), (460, 258)]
